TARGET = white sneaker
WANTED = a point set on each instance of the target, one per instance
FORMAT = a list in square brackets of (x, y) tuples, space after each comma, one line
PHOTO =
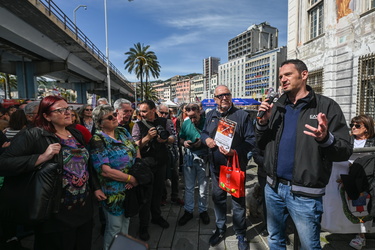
[(358, 242)]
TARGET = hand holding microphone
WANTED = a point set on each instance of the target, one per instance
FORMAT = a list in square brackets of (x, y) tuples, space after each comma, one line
[(267, 105)]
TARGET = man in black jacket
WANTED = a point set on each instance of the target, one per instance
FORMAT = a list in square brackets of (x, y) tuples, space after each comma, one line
[(152, 134), (302, 134), (243, 142)]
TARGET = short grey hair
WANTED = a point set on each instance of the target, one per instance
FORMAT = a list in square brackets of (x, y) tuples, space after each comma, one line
[(30, 107), (119, 102), (102, 99), (162, 105), (99, 112)]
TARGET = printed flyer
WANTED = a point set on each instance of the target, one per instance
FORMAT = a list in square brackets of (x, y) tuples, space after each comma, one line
[(225, 133)]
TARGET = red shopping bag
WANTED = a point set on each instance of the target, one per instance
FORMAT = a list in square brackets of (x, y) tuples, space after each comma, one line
[(231, 178)]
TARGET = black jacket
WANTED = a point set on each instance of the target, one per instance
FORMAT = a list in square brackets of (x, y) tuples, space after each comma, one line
[(243, 140), (23, 152), (313, 161), (361, 177)]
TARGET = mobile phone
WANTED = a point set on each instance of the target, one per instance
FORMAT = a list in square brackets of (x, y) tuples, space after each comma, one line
[(196, 140)]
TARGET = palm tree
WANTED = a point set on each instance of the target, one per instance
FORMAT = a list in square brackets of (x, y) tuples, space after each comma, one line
[(150, 93), (8, 82), (143, 63)]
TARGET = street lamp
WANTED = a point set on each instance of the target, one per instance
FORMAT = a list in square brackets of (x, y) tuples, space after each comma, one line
[(74, 12), (107, 52)]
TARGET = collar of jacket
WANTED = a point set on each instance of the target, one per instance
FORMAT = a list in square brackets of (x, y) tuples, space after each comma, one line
[(282, 101), (225, 114)]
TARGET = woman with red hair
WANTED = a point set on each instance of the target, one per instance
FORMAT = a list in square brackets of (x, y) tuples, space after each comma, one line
[(69, 227)]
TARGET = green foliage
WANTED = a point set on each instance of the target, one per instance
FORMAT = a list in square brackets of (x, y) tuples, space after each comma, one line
[(143, 63)]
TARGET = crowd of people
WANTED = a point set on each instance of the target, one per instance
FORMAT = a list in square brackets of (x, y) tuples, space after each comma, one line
[(106, 152)]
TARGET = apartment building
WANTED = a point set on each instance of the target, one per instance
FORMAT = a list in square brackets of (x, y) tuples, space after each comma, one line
[(197, 84), (210, 68), (261, 72), (257, 37)]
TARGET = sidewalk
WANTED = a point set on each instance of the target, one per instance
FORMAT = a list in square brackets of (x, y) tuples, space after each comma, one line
[(195, 235)]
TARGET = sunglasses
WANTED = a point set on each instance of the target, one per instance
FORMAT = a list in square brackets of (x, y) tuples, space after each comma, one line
[(192, 109), (62, 110), (355, 125), (88, 109), (111, 117), (221, 96), (164, 113)]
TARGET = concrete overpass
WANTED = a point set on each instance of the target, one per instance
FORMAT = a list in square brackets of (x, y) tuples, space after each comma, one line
[(38, 39)]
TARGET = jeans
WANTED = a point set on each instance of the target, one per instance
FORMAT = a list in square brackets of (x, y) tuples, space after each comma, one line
[(194, 172), (219, 197), (114, 225), (306, 213)]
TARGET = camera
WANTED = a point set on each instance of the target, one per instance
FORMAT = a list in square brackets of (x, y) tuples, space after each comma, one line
[(163, 134)]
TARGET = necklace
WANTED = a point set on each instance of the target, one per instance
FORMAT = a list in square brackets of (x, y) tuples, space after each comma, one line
[(67, 134)]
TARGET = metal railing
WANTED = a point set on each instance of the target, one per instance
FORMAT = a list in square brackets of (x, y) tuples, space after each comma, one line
[(69, 24)]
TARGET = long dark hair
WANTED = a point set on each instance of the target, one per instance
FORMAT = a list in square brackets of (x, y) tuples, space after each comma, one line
[(44, 107), (17, 120)]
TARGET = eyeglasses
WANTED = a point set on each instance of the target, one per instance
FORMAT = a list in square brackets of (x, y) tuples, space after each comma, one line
[(88, 109), (164, 113), (192, 109), (355, 125), (221, 96), (62, 110), (111, 117), (127, 110)]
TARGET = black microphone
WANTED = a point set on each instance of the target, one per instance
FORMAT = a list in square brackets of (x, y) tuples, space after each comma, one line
[(271, 96)]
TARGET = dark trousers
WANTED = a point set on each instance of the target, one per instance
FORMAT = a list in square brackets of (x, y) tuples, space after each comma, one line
[(262, 183), (219, 197), (153, 197), (174, 183), (78, 238)]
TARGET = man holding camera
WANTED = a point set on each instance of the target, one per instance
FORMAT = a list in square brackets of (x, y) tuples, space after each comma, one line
[(152, 134)]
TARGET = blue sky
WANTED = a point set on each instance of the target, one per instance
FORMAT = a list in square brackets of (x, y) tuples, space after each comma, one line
[(180, 32)]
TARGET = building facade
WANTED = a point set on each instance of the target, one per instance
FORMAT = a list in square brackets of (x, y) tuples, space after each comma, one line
[(210, 68), (250, 76), (256, 38), (261, 72), (336, 39), (232, 74), (197, 84)]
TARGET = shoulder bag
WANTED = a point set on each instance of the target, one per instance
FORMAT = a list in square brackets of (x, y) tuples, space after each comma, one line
[(32, 197)]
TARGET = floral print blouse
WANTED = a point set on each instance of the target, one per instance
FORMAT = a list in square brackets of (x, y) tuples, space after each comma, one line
[(119, 154)]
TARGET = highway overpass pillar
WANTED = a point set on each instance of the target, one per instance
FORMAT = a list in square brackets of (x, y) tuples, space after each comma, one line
[(26, 80), (81, 89)]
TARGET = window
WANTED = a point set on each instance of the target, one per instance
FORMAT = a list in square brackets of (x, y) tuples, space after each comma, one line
[(316, 16), (369, 4), (366, 85), (315, 81)]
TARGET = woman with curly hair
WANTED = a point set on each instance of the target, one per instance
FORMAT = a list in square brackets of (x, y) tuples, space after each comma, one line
[(113, 152)]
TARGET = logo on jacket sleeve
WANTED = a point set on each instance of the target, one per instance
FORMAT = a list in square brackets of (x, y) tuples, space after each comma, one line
[(313, 117)]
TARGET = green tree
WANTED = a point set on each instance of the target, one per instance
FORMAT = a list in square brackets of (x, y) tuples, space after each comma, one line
[(144, 63), (150, 93)]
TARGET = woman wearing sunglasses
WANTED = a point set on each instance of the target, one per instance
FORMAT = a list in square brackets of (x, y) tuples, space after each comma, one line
[(113, 152), (333, 219), (70, 225), (85, 114)]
